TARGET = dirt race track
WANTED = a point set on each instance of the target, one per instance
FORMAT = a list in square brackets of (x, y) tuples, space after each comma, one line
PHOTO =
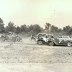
[(27, 56), (28, 51)]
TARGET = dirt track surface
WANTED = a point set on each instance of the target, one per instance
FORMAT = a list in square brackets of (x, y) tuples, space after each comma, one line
[(27, 56), (36, 67), (28, 51)]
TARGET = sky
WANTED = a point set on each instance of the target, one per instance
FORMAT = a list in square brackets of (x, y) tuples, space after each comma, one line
[(56, 12)]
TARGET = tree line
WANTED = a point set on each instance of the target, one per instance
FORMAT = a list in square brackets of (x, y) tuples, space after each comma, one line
[(67, 30), (33, 29)]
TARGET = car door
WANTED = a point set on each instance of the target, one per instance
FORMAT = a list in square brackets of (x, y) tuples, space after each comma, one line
[(63, 40)]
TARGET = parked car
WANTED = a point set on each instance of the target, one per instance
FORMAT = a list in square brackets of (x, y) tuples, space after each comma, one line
[(51, 40)]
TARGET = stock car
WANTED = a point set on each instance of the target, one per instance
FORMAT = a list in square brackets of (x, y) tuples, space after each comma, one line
[(51, 40)]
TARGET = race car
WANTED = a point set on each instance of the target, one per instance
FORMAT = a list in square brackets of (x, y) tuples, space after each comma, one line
[(51, 40)]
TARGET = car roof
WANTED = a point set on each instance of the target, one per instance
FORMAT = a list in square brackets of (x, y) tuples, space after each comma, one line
[(44, 33), (64, 36)]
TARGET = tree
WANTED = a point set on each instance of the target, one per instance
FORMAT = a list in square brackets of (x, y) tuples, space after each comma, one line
[(18, 30), (59, 30), (36, 29), (54, 28), (66, 28), (47, 26), (11, 27), (30, 28), (24, 28), (2, 29), (1, 21), (70, 31)]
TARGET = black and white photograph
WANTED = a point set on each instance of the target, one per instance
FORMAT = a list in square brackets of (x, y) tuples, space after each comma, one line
[(35, 35)]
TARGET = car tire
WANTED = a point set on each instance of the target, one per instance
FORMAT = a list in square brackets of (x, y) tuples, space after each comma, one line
[(69, 44), (51, 44), (39, 42)]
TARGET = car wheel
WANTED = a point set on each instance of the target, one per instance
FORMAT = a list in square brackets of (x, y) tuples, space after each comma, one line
[(39, 42), (69, 44), (51, 43)]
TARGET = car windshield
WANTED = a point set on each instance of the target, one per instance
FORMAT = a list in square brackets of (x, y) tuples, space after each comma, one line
[(49, 36), (41, 35)]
